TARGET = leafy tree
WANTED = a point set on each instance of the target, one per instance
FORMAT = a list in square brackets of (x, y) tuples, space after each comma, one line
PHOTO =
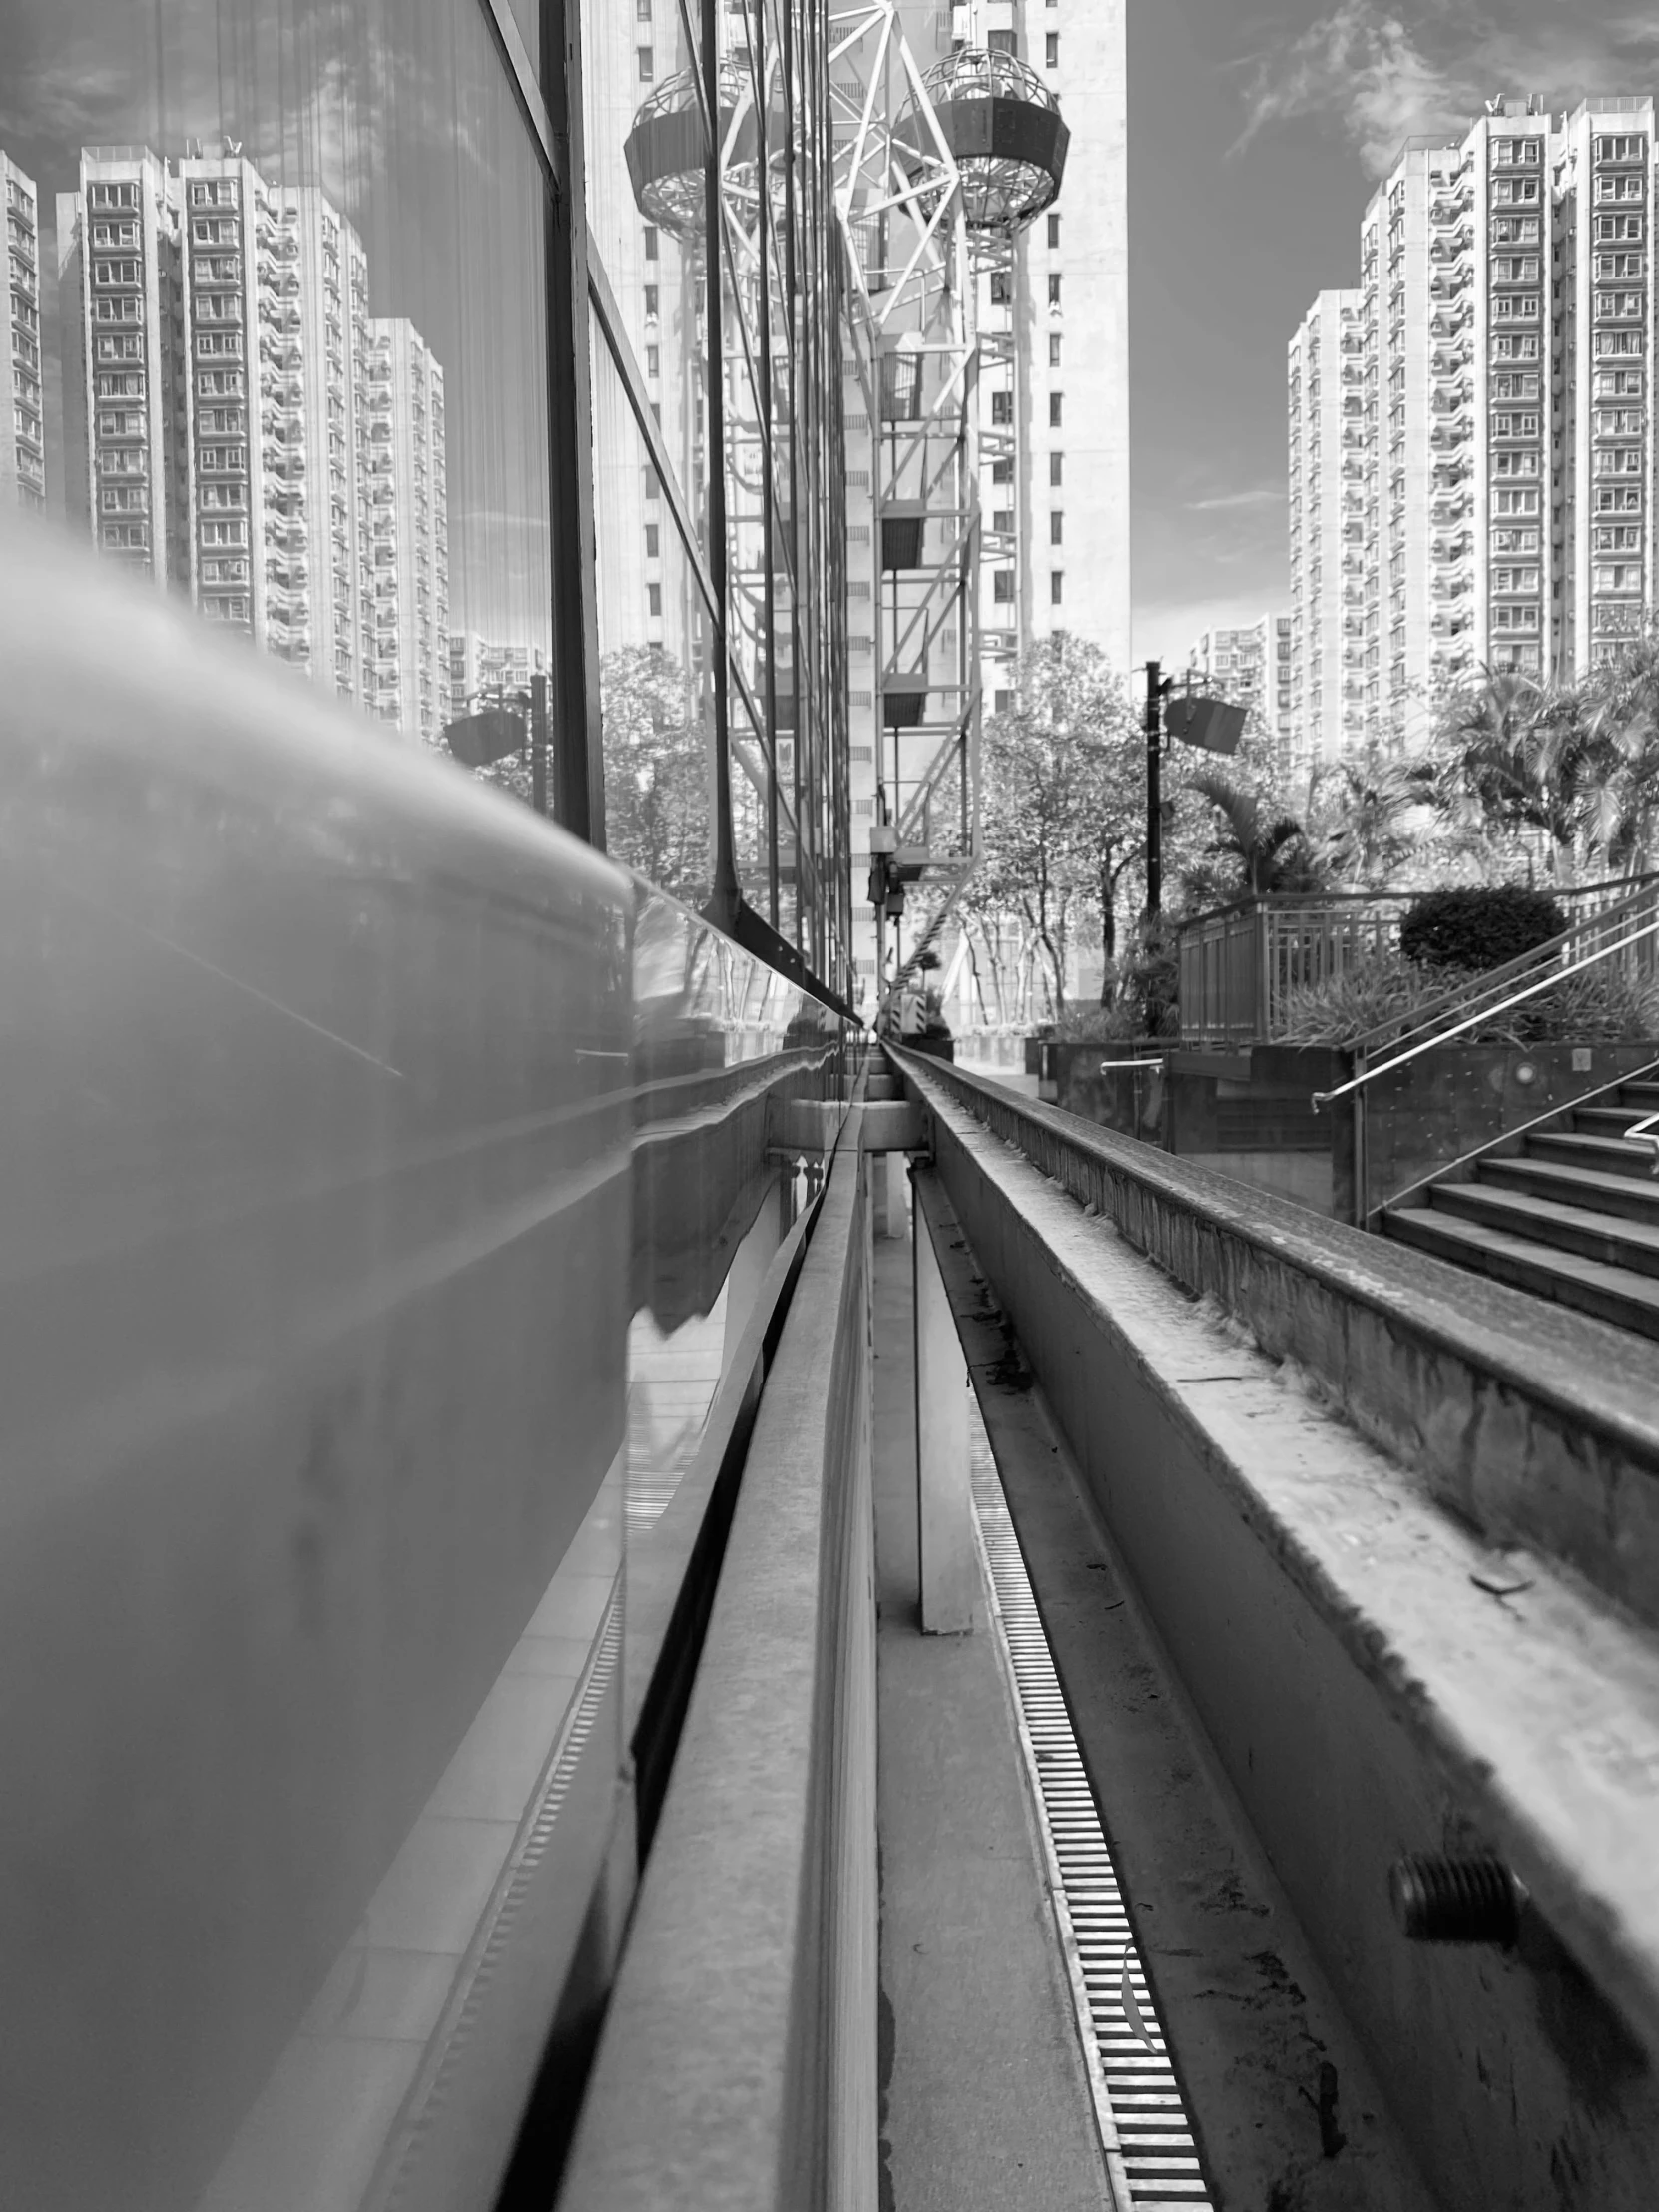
[(657, 817), (1062, 805)]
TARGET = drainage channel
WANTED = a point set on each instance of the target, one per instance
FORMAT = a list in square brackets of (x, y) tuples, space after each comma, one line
[(1150, 2157)]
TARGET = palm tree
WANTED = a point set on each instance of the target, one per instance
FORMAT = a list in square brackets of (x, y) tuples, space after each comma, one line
[(1622, 720), (1273, 855), (1369, 799), (1521, 761)]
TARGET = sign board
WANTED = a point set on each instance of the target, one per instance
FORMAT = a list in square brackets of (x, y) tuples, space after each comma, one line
[(479, 738), (1207, 723)]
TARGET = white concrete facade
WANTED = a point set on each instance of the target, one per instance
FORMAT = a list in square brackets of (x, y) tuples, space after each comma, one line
[(1327, 387), (1252, 663), (1055, 496), (22, 417), (222, 434), (1508, 464)]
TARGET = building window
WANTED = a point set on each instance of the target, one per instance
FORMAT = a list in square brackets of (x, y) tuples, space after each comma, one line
[(1053, 231), (1002, 409), (1053, 348), (654, 601), (647, 68), (1056, 528), (1002, 42), (1052, 57), (1003, 472), (653, 360), (650, 241), (1056, 587), (653, 541), (1056, 468), (1003, 587), (1054, 289), (650, 302), (1004, 702), (641, 11), (1002, 289), (1055, 409)]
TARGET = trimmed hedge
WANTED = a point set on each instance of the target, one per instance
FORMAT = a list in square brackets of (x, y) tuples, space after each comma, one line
[(1477, 928)]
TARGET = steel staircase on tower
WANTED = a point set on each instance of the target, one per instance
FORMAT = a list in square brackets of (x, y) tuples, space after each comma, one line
[(1569, 1210)]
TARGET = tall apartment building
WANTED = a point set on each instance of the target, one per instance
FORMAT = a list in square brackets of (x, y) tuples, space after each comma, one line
[(480, 665), (1328, 441), (22, 420), (407, 538), (235, 425), (121, 309), (1054, 336), (1252, 664), (1605, 448), (1507, 456)]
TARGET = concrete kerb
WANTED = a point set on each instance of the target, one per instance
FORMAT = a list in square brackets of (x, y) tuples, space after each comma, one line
[(1537, 1425), (736, 2070)]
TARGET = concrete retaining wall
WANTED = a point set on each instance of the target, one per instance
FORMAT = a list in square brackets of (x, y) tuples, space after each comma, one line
[(1536, 1425), (1364, 1694)]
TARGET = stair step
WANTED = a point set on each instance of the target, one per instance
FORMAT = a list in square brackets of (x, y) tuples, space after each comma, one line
[(1606, 1153), (1636, 1199), (1611, 1294), (1642, 1095), (1581, 1229), (1609, 1121)]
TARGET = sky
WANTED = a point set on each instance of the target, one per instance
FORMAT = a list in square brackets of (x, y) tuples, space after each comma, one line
[(1257, 134)]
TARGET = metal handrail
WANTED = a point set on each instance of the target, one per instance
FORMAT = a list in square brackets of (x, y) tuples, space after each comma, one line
[(1512, 970), (1443, 1170), (1481, 1014)]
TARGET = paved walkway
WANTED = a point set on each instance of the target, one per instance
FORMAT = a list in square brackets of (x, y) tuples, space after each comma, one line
[(984, 2101)]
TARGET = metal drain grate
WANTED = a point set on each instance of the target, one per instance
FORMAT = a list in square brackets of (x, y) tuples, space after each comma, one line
[(1144, 2129)]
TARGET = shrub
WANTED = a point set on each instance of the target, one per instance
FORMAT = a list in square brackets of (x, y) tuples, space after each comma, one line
[(1600, 1007), (1481, 929)]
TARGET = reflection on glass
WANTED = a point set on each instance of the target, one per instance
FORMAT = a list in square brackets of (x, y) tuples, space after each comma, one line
[(277, 336), (721, 1044), (767, 447)]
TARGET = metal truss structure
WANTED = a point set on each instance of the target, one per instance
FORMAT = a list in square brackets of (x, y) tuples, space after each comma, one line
[(757, 225), (912, 342)]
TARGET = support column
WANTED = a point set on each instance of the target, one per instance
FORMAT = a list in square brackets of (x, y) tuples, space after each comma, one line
[(948, 1559)]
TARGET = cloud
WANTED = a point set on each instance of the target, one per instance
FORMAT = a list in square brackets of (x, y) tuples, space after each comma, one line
[(74, 98), (1379, 78), (1234, 502)]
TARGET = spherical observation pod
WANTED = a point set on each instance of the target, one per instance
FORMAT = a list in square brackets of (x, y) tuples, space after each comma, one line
[(665, 150), (1003, 128)]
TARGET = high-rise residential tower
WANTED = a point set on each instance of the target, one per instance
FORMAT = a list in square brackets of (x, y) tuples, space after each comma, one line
[(1507, 455), (1252, 663), (1055, 336), (222, 432), (1606, 458), (1327, 525), (404, 468), (120, 307), (22, 421)]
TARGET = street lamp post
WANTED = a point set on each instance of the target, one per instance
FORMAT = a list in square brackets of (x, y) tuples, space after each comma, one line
[(1155, 691)]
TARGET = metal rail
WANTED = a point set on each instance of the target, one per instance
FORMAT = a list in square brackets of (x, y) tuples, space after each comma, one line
[(1488, 1013)]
